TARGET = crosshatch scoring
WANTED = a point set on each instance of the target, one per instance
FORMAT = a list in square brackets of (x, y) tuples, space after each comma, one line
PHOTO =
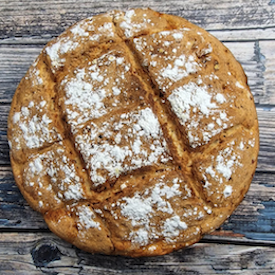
[(134, 133)]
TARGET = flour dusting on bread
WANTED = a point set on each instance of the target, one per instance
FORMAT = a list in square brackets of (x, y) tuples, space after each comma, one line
[(133, 133)]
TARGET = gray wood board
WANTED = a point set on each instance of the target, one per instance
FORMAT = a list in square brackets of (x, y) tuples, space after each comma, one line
[(52, 17), (245, 243), (29, 253), (266, 160), (257, 58), (253, 219)]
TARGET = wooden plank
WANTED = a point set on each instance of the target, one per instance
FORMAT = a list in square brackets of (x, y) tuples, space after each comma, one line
[(267, 62), (254, 218), (244, 35), (224, 35), (266, 160), (44, 253), (247, 55), (248, 29), (257, 59), (4, 147), (52, 17), (14, 63), (14, 210)]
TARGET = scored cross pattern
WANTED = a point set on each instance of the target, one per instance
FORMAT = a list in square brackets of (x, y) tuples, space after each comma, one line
[(130, 133)]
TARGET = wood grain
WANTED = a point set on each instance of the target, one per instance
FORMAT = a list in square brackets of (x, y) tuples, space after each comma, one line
[(257, 59), (251, 220), (52, 17), (4, 147), (26, 254), (14, 63), (245, 244), (14, 210), (266, 159)]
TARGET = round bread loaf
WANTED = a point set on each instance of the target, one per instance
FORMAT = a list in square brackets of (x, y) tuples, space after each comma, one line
[(133, 133)]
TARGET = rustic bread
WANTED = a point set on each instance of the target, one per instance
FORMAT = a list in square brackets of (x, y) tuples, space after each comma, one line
[(133, 133)]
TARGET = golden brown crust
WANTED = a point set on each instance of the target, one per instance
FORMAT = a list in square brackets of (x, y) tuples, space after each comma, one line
[(130, 133)]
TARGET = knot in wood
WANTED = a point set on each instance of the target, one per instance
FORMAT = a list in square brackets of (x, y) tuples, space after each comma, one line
[(44, 253)]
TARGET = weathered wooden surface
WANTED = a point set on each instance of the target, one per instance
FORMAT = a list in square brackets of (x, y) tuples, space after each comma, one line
[(44, 253), (257, 58), (31, 18), (245, 244), (252, 220)]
